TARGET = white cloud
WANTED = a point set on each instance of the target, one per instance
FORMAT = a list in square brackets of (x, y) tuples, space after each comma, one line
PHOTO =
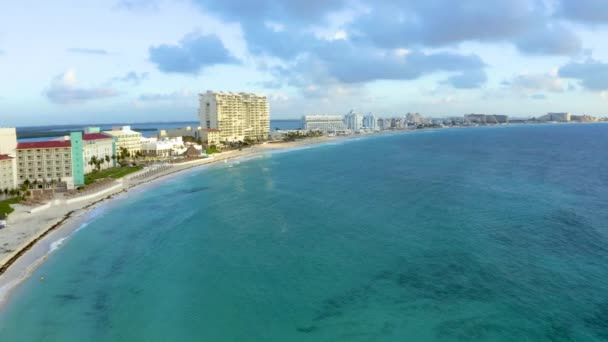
[(529, 83), (64, 89)]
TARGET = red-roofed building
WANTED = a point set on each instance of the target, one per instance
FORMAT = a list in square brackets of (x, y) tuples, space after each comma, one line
[(45, 162), (95, 136), (43, 144)]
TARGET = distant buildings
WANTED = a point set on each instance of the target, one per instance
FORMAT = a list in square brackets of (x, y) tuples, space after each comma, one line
[(414, 118), (353, 121), (237, 116), (559, 117), (324, 123), (126, 138), (370, 121), (583, 118), (484, 119), (384, 124)]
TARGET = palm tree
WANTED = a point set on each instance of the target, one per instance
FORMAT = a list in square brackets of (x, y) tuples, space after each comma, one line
[(107, 158), (93, 161)]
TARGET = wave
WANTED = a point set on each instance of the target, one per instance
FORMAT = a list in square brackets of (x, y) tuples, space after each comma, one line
[(56, 244)]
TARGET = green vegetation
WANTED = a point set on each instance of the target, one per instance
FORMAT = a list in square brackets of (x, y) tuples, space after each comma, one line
[(115, 172), (5, 207), (212, 149), (191, 139), (293, 136)]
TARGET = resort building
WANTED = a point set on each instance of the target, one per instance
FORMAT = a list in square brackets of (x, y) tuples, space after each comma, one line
[(46, 162), (384, 124), (155, 147), (187, 131), (8, 163), (8, 173), (236, 115), (210, 136), (8, 141), (370, 122), (583, 118), (414, 118), (324, 123), (560, 117), (126, 138), (484, 119), (353, 121), (100, 147)]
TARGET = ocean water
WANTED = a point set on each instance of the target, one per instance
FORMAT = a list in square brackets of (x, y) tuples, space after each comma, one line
[(480, 234)]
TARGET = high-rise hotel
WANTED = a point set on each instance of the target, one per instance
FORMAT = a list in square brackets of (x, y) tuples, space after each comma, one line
[(236, 115)]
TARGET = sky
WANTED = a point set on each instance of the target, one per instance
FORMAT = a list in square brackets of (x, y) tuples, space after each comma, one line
[(102, 61)]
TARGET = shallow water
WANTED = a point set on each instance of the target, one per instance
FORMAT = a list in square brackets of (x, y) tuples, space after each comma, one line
[(486, 234)]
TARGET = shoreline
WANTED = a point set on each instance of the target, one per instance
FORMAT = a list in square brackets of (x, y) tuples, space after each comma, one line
[(32, 250), (19, 264)]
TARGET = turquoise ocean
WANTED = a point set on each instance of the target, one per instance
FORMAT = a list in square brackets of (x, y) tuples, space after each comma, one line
[(476, 234)]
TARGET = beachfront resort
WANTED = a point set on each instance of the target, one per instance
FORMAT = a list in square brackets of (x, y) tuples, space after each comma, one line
[(44, 169)]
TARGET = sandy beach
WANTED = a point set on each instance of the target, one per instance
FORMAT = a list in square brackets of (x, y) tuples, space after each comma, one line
[(30, 237)]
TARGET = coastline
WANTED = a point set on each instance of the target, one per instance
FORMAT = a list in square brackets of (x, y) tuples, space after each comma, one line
[(32, 237)]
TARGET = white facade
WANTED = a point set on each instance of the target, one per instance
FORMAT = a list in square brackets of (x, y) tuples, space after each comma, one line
[(353, 121), (236, 115), (564, 117), (45, 161), (323, 123), (8, 173), (8, 141), (8, 162), (126, 138), (370, 121), (99, 146), (163, 147)]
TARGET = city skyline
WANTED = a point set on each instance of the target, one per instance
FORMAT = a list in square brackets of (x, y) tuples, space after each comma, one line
[(142, 61)]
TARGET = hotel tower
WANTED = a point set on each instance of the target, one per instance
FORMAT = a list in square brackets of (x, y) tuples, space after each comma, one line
[(236, 115)]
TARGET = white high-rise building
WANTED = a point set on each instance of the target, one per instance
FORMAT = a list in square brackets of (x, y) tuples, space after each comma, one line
[(324, 123), (370, 121), (236, 115), (353, 121)]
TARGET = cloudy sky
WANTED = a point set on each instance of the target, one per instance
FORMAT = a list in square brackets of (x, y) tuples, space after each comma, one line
[(82, 61)]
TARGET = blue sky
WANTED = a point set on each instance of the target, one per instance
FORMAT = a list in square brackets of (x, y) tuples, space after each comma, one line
[(134, 60)]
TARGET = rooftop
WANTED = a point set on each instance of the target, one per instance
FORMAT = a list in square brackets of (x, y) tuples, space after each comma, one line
[(95, 136), (121, 132), (43, 144), (5, 157)]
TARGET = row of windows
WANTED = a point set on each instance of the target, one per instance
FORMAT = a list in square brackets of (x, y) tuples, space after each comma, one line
[(46, 150), (57, 156), (41, 176), (58, 168)]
